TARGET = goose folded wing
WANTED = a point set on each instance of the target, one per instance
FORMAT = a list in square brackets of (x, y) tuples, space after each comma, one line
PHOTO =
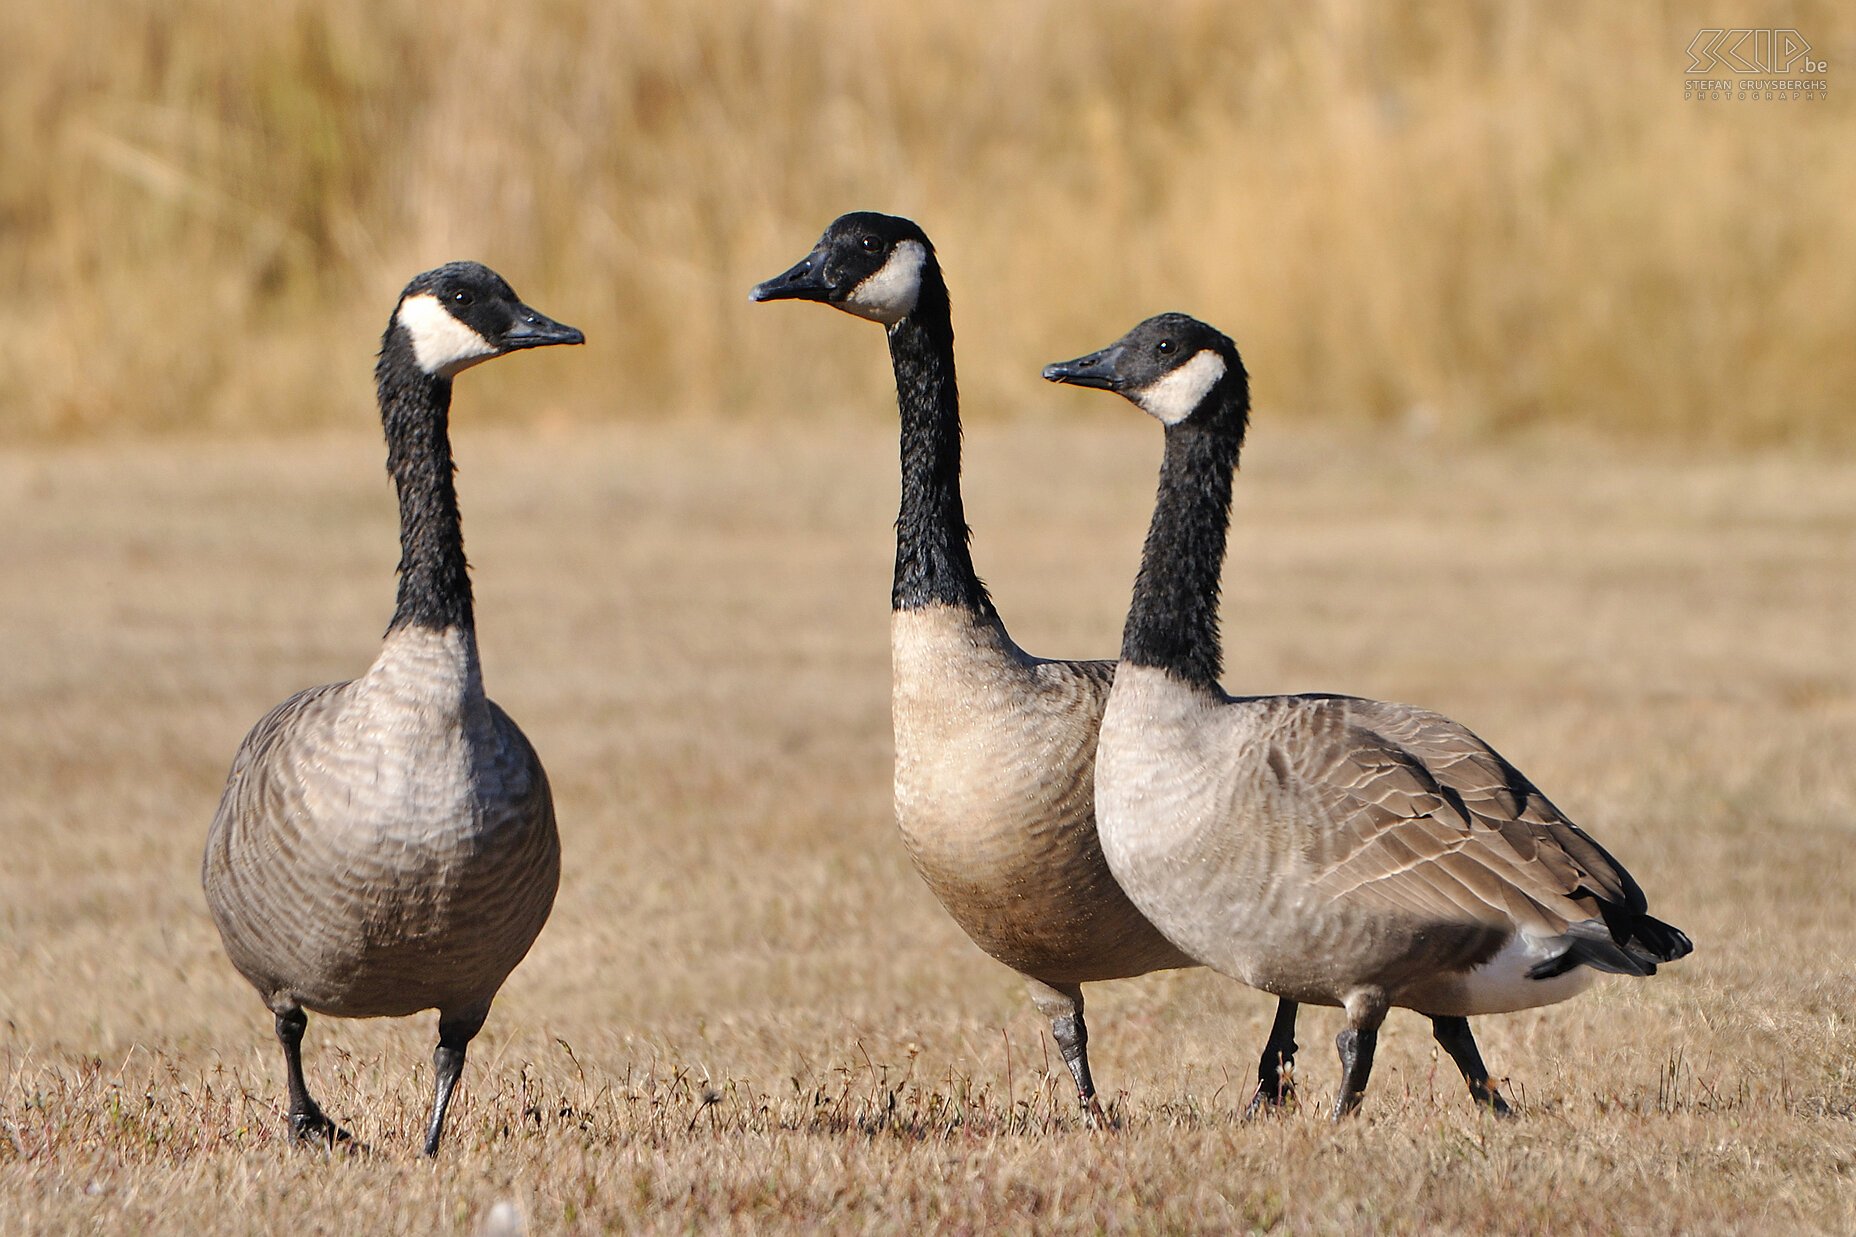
[(1497, 796), (1418, 818)]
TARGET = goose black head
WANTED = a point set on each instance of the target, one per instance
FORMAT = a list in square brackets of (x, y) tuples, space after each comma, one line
[(866, 264), (1169, 366), (462, 314)]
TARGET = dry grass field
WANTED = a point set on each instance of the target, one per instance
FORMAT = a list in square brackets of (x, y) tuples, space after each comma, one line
[(1553, 384), (747, 1014)]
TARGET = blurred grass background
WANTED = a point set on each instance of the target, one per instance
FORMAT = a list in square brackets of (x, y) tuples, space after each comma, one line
[(1466, 217)]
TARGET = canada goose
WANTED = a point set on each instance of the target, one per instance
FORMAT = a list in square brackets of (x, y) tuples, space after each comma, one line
[(387, 845), (1324, 848), (994, 747)]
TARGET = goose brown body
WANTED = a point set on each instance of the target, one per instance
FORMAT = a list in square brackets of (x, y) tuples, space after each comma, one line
[(386, 845), (1326, 848), (995, 799)]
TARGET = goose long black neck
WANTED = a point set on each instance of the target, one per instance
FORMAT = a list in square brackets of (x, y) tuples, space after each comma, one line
[(415, 409), (1173, 621), (933, 562)]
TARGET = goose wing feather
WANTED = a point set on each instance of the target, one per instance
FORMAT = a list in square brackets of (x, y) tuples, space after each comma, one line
[(1423, 818)]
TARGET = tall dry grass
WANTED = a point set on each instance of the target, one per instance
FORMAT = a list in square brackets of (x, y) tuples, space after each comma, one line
[(1480, 217)]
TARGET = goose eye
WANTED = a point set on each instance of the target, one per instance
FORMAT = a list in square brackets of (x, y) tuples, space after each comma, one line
[(461, 297), (1164, 347), (873, 244)]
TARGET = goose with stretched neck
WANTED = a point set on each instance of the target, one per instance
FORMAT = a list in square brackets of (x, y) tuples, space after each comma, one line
[(994, 747), (387, 845), (1324, 848)]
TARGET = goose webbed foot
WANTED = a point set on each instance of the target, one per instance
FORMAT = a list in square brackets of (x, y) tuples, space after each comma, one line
[(1276, 1068), (313, 1126), (308, 1123), (1454, 1036)]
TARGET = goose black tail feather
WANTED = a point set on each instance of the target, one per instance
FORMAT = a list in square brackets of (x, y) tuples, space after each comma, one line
[(1633, 950), (1645, 936), (1662, 941)]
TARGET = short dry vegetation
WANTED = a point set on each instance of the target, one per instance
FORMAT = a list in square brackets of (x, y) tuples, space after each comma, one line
[(747, 1012)]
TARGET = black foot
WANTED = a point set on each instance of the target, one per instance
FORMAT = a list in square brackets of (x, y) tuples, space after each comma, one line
[(1271, 1100), (314, 1127), (1454, 1036), (1276, 1068), (307, 1122)]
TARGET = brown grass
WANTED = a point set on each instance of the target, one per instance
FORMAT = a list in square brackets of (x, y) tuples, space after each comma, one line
[(1482, 217), (688, 619)]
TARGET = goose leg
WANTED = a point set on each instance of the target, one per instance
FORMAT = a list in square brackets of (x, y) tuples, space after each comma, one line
[(1278, 1055), (1454, 1036), (1072, 1035), (307, 1120), (1365, 1012), (447, 1066), (1063, 1005)]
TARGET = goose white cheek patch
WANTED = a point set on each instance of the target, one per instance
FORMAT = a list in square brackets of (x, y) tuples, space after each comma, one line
[(1173, 396), (890, 294), (441, 344)]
